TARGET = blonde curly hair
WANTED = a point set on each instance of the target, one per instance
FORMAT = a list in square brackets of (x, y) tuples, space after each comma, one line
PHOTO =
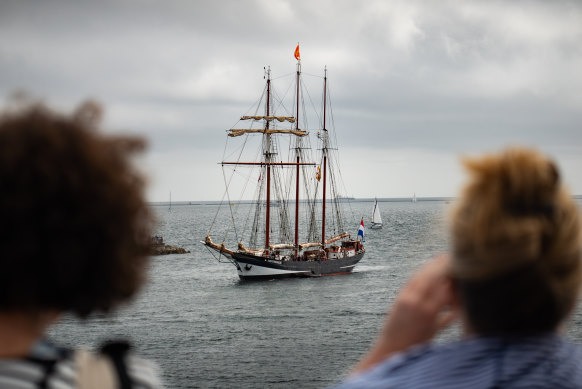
[(516, 243)]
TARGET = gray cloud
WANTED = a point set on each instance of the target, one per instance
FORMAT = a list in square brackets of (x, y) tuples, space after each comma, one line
[(421, 81)]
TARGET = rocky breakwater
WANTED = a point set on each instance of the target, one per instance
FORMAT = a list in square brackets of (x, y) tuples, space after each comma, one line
[(158, 247)]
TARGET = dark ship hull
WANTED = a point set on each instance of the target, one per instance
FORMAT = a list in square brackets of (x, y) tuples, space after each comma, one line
[(251, 267)]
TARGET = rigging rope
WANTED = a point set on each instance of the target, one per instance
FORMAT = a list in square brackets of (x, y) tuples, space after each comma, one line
[(283, 185)]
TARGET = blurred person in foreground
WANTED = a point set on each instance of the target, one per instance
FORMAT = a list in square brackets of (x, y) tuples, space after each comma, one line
[(74, 230), (511, 280)]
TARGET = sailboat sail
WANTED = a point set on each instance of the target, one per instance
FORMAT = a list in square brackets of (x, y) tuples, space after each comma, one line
[(376, 217), (305, 234)]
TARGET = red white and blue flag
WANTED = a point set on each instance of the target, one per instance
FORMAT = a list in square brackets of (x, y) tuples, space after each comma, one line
[(361, 230)]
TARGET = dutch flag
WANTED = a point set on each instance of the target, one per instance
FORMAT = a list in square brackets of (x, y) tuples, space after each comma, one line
[(361, 230)]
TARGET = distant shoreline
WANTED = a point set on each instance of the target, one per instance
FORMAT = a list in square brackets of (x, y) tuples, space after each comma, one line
[(343, 200)]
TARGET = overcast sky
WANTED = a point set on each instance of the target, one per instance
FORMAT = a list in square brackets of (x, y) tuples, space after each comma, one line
[(415, 84)]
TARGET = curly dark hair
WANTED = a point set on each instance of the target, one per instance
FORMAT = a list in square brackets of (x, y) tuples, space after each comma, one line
[(74, 225)]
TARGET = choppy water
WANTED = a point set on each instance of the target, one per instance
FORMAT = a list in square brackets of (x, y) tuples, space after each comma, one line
[(206, 329)]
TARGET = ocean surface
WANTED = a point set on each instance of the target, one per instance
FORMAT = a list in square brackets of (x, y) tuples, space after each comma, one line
[(207, 329)]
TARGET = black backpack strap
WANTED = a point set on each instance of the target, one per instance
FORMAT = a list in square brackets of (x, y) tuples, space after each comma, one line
[(117, 351), (49, 369), (47, 358)]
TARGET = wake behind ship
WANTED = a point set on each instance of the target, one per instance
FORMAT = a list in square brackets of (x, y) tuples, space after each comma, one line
[(295, 226)]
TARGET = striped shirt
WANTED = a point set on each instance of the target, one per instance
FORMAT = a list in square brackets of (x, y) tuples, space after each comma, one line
[(28, 373), (547, 361)]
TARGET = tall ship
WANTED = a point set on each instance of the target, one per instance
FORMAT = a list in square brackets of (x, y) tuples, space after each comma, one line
[(295, 225)]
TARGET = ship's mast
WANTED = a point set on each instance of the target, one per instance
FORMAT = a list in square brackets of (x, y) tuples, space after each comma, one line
[(297, 168), (324, 150), (268, 152), (268, 159)]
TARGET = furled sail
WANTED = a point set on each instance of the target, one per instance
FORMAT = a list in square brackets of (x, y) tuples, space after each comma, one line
[(281, 246), (337, 237), (238, 132), (308, 245), (242, 247), (221, 248), (289, 119)]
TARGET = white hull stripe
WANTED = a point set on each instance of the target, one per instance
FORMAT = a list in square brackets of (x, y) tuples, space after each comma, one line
[(264, 271), (345, 267)]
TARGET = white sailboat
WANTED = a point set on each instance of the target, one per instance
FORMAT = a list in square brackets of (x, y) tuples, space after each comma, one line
[(414, 197), (376, 218)]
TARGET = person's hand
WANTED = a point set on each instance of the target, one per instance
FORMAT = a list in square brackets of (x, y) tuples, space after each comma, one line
[(424, 306)]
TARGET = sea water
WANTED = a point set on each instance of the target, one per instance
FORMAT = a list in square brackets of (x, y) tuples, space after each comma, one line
[(207, 329)]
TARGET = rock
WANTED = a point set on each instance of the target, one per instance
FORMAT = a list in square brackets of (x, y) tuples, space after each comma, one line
[(167, 249), (158, 247)]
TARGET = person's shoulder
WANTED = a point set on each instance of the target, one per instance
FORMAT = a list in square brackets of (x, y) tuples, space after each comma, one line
[(144, 373), (564, 356), (395, 370), (83, 365), (63, 368), (427, 366), (568, 346)]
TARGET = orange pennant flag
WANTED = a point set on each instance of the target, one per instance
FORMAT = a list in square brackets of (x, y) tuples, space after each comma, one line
[(297, 56)]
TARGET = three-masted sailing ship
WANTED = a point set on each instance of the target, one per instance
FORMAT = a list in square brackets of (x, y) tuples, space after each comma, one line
[(296, 224)]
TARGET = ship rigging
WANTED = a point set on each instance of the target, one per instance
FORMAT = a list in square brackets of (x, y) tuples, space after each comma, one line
[(288, 230)]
